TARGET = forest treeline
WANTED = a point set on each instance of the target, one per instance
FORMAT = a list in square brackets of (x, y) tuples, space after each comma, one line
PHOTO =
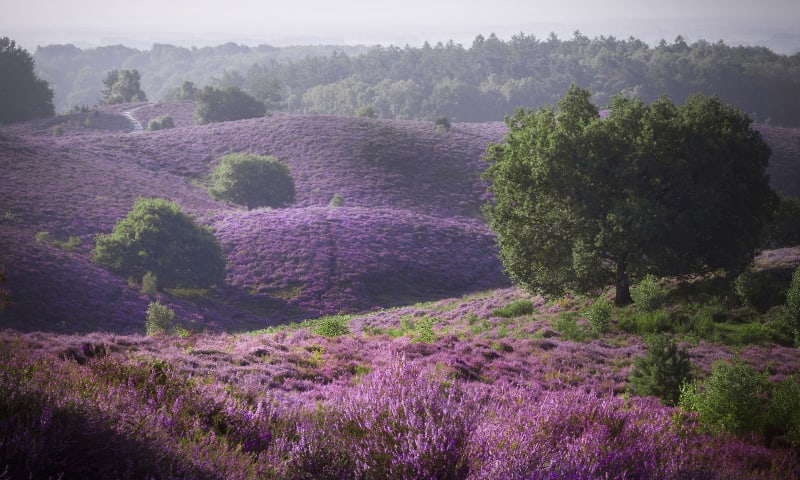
[(485, 81)]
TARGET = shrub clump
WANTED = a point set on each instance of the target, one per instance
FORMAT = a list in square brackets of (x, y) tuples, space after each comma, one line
[(792, 307), (159, 319), (149, 284), (648, 295), (662, 371), (156, 236), (515, 309), (732, 398), (332, 326), (227, 104), (161, 123), (599, 316), (252, 180)]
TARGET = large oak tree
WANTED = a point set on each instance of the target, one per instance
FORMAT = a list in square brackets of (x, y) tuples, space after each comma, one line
[(583, 200)]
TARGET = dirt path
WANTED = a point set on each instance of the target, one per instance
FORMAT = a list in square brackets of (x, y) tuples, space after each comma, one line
[(137, 126)]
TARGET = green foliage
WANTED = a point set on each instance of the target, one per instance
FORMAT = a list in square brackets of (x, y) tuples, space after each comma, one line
[(161, 123), (608, 196), (648, 295), (567, 325), (156, 236), (187, 92), (792, 309), (70, 244), (732, 398), (662, 371), (442, 123), (122, 86), (367, 111), (515, 309), (784, 230), (424, 330), (149, 284), (58, 130), (227, 104), (42, 237), (784, 411), (761, 289), (337, 200), (252, 180), (23, 95), (159, 319), (599, 316), (332, 326)]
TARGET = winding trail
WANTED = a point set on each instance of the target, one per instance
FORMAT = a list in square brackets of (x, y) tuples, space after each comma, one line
[(137, 126)]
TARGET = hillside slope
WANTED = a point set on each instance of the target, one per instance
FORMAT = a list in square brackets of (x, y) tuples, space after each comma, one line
[(412, 199)]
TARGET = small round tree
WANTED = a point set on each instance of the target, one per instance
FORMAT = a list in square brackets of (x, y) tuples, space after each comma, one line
[(227, 104), (156, 236), (252, 180)]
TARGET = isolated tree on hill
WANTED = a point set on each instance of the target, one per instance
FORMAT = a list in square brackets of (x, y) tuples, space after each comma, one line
[(122, 86), (581, 202), (227, 104), (157, 237), (252, 180), (23, 95)]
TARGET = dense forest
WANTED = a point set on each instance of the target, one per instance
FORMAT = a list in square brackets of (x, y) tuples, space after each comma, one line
[(485, 81)]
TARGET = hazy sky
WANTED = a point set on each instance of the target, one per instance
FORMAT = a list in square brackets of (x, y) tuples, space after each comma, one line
[(203, 22)]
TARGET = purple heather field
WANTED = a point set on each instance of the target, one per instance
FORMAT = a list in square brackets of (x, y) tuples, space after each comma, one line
[(401, 365)]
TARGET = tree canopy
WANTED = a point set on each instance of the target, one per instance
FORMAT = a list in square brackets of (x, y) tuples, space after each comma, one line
[(583, 200), (156, 236), (226, 104), (252, 180), (23, 95), (122, 86)]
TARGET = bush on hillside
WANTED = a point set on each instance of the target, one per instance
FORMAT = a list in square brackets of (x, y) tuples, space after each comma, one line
[(227, 104), (159, 319), (733, 398), (253, 181), (762, 289), (662, 371), (648, 295), (156, 236), (792, 308), (784, 229), (161, 123)]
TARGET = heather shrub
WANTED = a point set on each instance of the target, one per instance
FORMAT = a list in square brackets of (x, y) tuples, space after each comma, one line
[(648, 295), (252, 180), (156, 236), (515, 309), (402, 423), (149, 284), (599, 316), (161, 123), (662, 371), (332, 326), (159, 319), (732, 398)]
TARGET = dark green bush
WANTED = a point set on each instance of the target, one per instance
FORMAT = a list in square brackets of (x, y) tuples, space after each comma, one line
[(784, 411), (599, 316), (784, 230), (733, 398), (252, 180), (662, 371), (762, 289), (515, 309), (792, 309), (567, 325), (156, 236), (161, 123), (227, 104)]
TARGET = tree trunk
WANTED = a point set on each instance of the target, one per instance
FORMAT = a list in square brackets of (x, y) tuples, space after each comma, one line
[(623, 288)]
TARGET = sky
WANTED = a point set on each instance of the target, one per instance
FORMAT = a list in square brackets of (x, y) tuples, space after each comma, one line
[(140, 23)]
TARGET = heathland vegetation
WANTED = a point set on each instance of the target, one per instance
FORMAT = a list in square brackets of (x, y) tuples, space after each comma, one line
[(302, 296)]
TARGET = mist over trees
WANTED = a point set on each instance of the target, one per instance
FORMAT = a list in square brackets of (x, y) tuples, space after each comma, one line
[(23, 95), (482, 82)]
